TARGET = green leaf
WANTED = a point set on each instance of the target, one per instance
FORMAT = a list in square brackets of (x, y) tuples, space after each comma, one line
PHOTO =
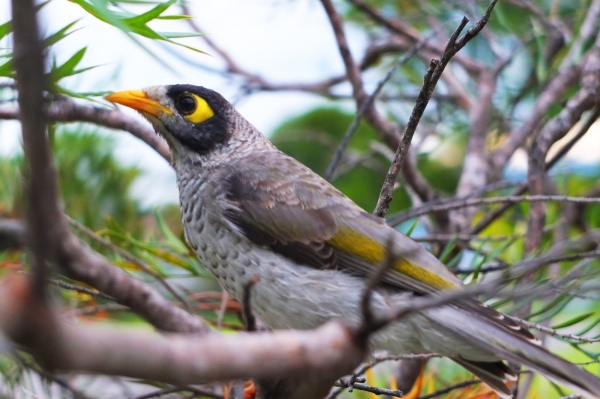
[(148, 16), (492, 255), (178, 35), (6, 69), (174, 17), (448, 250), (588, 328), (61, 34), (5, 29), (411, 228), (454, 261), (556, 310), (573, 320), (83, 95), (136, 24), (68, 68), (90, 9), (172, 240), (548, 306), (541, 68)]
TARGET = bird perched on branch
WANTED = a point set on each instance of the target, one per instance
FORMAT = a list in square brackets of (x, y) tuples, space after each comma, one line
[(250, 210)]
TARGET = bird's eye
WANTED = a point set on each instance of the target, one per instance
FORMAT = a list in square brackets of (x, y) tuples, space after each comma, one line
[(186, 104), (193, 108)]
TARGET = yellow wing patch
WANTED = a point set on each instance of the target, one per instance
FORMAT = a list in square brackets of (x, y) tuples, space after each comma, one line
[(359, 245), (364, 247), (421, 274)]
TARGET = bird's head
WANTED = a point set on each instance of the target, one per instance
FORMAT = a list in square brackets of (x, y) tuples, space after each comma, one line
[(193, 119)]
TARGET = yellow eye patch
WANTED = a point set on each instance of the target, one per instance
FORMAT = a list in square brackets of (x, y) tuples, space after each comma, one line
[(194, 108)]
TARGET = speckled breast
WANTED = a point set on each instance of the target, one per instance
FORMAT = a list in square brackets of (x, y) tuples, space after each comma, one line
[(220, 248)]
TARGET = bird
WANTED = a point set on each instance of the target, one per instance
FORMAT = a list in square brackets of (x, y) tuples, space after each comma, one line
[(251, 212)]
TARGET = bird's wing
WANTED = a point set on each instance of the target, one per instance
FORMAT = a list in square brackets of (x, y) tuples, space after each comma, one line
[(279, 203)]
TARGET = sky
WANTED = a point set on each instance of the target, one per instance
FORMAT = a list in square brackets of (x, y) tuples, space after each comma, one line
[(285, 41)]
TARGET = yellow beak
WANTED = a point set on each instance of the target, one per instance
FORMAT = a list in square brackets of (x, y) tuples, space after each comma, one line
[(139, 101)]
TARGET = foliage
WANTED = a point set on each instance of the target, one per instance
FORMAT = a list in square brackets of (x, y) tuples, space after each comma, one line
[(96, 189), (88, 174)]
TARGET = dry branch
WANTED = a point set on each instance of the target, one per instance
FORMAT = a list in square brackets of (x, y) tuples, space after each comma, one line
[(67, 110), (47, 232), (43, 208), (469, 202), (337, 157), (331, 350), (388, 132), (551, 95), (83, 264), (493, 215), (408, 32), (587, 97)]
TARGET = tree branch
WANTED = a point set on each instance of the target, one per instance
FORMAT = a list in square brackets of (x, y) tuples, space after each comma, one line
[(554, 130), (468, 202), (517, 136), (328, 352), (43, 208), (67, 110), (83, 264), (408, 32), (494, 214), (432, 76)]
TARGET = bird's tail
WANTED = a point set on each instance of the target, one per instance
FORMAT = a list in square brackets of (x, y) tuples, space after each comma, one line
[(511, 346)]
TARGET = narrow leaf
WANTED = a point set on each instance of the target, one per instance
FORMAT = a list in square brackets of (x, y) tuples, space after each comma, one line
[(148, 16), (573, 320)]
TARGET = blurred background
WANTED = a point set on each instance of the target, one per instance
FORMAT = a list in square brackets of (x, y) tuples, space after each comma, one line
[(278, 63)]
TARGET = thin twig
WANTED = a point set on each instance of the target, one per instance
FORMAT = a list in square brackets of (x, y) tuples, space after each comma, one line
[(462, 203), (43, 209), (451, 388), (587, 363), (368, 103), (546, 261), (380, 359), (92, 310), (181, 388), (346, 383), (399, 28), (376, 360), (76, 393), (385, 197), (80, 289), (585, 99), (555, 333), (248, 315), (74, 287), (496, 213), (431, 78), (222, 310)]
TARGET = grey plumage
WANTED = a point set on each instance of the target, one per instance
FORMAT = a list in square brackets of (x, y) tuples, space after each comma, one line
[(250, 210)]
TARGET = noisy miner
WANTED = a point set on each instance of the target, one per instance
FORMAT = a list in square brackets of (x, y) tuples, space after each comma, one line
[(250, 210)]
